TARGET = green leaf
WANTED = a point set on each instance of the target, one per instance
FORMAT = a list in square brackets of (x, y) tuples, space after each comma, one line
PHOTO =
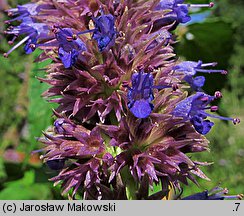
[(2, 170), (40, 111), (26, 192), (25, 189)]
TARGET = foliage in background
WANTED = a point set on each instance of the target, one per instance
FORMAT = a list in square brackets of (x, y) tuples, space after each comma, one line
[(24, 114), (225, 45)]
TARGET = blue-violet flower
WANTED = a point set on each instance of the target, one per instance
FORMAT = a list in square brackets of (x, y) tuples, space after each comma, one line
[(23, 11), (179, 10), (140, 95), (193, 109), (216, 193), (32, 31), (104, 32), (190, 68), (70, 46)]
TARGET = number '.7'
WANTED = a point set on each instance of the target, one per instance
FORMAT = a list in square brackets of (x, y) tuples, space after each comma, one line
[(237, 206)]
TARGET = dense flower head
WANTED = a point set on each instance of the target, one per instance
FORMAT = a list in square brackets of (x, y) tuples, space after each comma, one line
[(95, 86), (194, 108), (123, 117), (156, 150)]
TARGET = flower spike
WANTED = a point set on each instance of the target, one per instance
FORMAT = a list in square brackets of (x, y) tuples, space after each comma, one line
[(118, 132)]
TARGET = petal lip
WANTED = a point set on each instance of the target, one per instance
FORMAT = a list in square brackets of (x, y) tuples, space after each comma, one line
[(141, 108)]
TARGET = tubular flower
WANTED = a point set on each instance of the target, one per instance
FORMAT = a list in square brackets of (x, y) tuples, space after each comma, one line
[(140, 95), (194, 109), (123, 121), (29, 27), (214, 194), (23, 11), (190, 68), (69, 46), (104, 32), (179, 11)]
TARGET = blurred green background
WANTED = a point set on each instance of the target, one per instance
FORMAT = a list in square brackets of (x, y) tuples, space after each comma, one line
[(212, 36)]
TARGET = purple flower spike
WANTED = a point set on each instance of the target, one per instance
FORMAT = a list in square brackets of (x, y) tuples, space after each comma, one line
[(214, 194), (70, 46), (190, 68), (193, 109), (179, 10), (140, 94), (32, 31), (104, 32)]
